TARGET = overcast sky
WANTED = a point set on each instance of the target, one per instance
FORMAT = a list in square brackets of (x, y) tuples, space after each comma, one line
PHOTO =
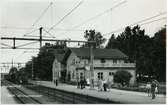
[(18, 15)]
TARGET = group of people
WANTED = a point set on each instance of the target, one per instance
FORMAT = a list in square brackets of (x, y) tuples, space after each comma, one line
[(81, 84), (103, 85), (152, 88)]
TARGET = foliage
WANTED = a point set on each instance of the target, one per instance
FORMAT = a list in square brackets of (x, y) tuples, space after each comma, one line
[(42, 64), (122, 77), (12, 74), (91, 35), (17, 76), (12, 70), (148, 52)]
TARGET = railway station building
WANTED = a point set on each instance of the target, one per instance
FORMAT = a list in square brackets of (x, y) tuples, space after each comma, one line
[(75, 64)]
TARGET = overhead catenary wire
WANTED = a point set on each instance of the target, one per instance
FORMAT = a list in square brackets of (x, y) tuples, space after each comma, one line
[(17, 28), (72, 10), (21, 48), (153, 21), (45, 10), (30, 32), (96, 16), (5, 45), (63, 29), (140, 23), (49, 33), (26, 44), (38, 36), (100, 14)]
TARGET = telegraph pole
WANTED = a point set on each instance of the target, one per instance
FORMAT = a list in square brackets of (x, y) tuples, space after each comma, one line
[(91, 67), (12, 62), (32, 69), (40, 37)]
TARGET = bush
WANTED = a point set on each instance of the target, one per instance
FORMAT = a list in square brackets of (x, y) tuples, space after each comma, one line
[(122, 77)]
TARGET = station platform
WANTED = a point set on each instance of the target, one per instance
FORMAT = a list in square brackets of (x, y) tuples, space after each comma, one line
[(121, 96)]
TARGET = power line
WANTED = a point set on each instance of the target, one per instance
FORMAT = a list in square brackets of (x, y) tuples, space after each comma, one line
[(153, 21), (98, 15), (30, 32), (26, 44), (38, 36), (49, 33), (118, 30), (5, 45), (42, 14), (62, 29), (21, 48), (66, 15), (17, 28)]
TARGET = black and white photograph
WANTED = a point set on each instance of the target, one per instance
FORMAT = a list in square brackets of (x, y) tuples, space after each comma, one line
[(83, 51)]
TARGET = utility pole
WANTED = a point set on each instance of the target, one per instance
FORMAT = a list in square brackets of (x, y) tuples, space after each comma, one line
[(32, 70), (40, 37), (91, 67), (12, 62), (14, 43)]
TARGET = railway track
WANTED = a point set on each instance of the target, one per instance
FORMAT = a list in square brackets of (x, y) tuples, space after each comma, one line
[(19, 94), (60, 96)]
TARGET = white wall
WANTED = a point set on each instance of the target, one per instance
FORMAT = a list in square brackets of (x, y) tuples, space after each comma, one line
[(71, 67), (56, 69)]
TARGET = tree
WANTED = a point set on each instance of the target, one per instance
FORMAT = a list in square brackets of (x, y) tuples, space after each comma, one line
[(148, 52), (42, 64), (13, 74), (13, 70), (122, 77), (158, 54), (91, 35), (112, 43)]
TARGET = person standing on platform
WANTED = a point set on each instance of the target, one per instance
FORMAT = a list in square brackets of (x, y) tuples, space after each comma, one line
[(81, 82), (110, 81), (153, 86), (148, 88), (98, 84), (84, 83), (105, 85), (56, 82)]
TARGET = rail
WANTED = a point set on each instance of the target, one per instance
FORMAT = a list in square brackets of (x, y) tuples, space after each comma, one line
[(20, 95)]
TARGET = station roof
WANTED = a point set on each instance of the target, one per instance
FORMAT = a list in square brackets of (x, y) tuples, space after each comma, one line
[(99, 53)]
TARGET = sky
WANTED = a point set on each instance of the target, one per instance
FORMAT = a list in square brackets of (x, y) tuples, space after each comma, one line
[(18, 16)]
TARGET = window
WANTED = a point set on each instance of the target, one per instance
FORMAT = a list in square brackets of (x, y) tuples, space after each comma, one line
[(103, 60), (111, 73), (114, 61), (100, 75)]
